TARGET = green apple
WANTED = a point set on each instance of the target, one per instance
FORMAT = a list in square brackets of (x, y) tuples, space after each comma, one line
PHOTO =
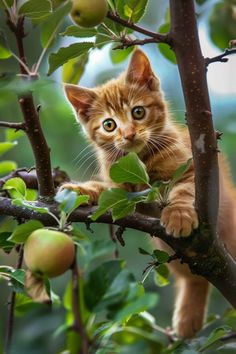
[(48, 252), (88, 13)]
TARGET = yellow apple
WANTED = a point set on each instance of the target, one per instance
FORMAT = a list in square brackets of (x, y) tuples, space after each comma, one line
[(88, 13), (48, 252)]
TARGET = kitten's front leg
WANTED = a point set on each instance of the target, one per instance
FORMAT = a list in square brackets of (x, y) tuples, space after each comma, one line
[(179, 218), (91, 188)]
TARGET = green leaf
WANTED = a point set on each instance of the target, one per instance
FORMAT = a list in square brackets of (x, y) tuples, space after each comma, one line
[(8, 2), (22, 232), (23, 304), (17, 186), (73, 70), (119, 55), (102, 39), (31, 194), (30, 205), (136, 306), (214, 336), (7, 167), (66, 53), (165, 49), (70, 200), (180, 172), (18, 280), (132, 9), (76, 31), (129, 169), (5, 53), (161, 275), (100, 280), (161, 256), (144, 252), (115, 199), (6, 146), (222, 23), (6, 245), (50, 26), (12, 134), (36, 9)]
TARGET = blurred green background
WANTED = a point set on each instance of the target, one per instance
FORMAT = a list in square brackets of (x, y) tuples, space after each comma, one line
[(34, 331)]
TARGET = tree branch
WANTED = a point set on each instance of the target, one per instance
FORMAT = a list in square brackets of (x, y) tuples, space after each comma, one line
[(127, 42), (205, 257), (192, 68), (16, 126), (78, 323), (32, 123), (10, 320), (158, 37), (220, 58), (29, 176)]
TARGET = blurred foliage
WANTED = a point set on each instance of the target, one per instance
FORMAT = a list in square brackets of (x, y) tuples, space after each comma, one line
[(122, 311)]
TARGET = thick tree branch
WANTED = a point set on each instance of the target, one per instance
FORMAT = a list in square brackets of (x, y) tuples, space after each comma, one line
[(16, 126), (192, 70), (204, 256), (32, 123), (221, 57), (158, 37), (29, 176)]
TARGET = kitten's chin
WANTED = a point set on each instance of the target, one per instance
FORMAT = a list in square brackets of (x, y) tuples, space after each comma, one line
[(137, 148)]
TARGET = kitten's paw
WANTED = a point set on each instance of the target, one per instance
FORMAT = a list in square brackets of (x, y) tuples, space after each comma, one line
[(179, 220), (82, 189)]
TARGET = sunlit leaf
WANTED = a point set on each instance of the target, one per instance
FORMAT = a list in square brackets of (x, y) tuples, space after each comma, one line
[(129, 169), (73, 70), (66, 53), (36, 9), (22, 232), (161, 275), (17, 185), (7, 167), (6, 146), (50, 26), (119, 55), (76, 31), (165, 49)]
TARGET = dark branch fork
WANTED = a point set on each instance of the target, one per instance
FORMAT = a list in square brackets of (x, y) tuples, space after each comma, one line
[(16, 126)]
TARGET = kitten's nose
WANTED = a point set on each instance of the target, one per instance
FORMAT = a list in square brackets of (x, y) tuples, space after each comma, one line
[(129, 135)]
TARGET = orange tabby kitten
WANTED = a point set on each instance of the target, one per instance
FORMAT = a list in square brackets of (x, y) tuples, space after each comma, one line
[(129, 114)]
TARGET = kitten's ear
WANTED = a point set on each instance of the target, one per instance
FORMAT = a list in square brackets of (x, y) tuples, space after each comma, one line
[(81, 99), (140, 71)]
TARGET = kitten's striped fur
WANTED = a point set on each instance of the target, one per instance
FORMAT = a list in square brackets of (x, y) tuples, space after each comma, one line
[(163, 146)]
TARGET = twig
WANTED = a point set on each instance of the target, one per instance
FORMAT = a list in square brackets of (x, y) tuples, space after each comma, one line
[(220, 58), (127, 42), (78, 323), (228, 336), (159, 37), (10, 319), (16, 126)]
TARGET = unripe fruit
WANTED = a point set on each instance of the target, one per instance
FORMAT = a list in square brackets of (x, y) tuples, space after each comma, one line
[(49, 252), (88, 13)]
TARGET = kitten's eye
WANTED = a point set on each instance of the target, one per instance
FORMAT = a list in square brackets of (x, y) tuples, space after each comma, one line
[(109, 125), (138, 112)]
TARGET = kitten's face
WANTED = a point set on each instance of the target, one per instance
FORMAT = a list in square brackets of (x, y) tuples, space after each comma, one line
[(126, 114)]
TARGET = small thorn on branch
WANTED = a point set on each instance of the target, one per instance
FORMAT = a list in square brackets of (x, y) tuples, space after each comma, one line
[(119, 235), (218, 135)]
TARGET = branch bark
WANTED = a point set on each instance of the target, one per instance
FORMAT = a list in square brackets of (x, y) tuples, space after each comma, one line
[(204, 257), (158, 37), (31, 121), (16, 126), (192, 69)]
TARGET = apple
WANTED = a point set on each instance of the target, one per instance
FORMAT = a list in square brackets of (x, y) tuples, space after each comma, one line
[(49, 252), (88, 13)]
